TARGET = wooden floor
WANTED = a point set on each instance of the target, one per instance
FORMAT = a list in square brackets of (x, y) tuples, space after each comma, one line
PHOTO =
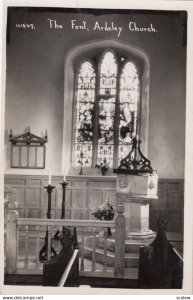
[(36, 280)]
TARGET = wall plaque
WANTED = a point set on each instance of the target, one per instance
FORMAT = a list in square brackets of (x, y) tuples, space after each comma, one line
[(28, 150)]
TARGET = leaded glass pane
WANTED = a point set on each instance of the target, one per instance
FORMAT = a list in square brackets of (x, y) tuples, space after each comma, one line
[(125, 115), (84, 114), (107, 96), (106, 131), (129, 97), (108, 75)]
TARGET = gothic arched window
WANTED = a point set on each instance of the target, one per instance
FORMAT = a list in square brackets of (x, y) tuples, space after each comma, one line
[(107, 101), (85, 102)]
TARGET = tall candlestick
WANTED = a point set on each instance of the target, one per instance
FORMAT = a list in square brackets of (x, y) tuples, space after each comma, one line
[(50, 176), (64, 185), (47, 251)]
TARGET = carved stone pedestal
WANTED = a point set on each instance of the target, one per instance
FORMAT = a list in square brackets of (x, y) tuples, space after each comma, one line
[(137, 215), (135, 193)]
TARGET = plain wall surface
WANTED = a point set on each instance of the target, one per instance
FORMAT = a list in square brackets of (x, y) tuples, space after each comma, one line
[(35, 80)]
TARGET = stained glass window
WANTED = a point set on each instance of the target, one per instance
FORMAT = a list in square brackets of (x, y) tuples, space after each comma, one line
[(108, 75), (106, 109), (84, 113), (129, 97), (107, 98)]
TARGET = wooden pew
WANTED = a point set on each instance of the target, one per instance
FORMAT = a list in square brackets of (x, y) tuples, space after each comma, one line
[(63, 269), (160, 265), (70, 277)]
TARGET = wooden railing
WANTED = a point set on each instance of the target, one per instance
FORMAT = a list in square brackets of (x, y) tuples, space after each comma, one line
[(21, 233)]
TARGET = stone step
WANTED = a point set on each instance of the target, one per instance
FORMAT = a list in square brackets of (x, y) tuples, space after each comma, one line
[(131, 245), (129, 273), (131, 259)]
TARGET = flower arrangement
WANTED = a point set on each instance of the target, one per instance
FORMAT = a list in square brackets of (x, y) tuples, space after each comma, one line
[(103, 166), (104, 212)]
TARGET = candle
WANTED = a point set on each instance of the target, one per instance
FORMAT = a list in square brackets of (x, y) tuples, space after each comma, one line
[(64, 179), (50, 176)]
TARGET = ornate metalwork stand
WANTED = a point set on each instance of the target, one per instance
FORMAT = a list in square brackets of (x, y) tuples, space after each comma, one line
[(43, 254)]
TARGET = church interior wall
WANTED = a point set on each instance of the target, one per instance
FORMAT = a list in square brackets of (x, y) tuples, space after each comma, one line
[(35, 97), (35, 84)]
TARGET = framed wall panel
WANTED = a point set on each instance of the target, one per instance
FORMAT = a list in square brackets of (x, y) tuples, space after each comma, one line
[(28, 151)]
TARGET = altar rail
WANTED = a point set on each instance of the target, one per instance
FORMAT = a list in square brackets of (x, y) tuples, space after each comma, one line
[(22, 247)]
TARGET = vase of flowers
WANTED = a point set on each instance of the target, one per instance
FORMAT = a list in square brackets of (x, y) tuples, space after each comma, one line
[(103, 166), (104, 212)]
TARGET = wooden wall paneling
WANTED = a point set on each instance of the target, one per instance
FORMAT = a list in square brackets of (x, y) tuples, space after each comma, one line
[(83, 193), (68, 201), (175, 222), (33, 198), (175, 186), (103, 184), (95, 200), (53, 204), (109, 195), (78, 204), (175, 196), (160, 203), (44, 213), (162, 195), (45, 203), (55, 199), (33, 182), (153, 218), (18, 187), (58, 206), (174, 201), (79, 199), (21, 212), (170, 203), (15, 180), (162, 185), (18, 195), (25, 204), (88, 201), (41, 198), (79, 184), (174, 206)]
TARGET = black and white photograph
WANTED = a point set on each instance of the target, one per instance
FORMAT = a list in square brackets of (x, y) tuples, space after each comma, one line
[(94, 147)]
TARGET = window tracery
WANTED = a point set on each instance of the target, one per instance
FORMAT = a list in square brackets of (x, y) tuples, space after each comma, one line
[(107, 109)]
